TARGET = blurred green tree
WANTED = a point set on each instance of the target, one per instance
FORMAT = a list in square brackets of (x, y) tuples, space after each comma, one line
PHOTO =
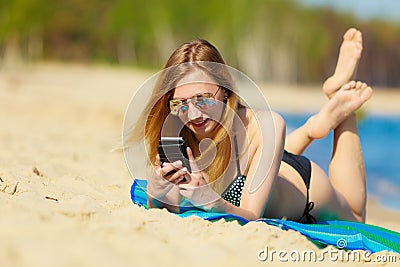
[(275, 40)]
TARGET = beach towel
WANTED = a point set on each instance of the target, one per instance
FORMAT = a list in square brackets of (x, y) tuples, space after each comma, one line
[(341, 234)]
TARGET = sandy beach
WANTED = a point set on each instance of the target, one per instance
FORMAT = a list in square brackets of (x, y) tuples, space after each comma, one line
[(64, 185)]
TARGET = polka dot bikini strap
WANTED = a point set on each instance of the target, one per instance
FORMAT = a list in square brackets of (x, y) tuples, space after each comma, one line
[(239, 173)]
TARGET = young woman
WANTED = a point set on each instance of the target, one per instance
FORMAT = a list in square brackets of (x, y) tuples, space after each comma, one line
[(196, 98)]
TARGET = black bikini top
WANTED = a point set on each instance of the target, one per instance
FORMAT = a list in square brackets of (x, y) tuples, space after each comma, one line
[(233, 193)]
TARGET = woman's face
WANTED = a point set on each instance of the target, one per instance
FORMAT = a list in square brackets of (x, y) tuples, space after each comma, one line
[(201, 117)]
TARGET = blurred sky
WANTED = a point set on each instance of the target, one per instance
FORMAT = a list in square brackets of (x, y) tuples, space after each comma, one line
[(364, 9)]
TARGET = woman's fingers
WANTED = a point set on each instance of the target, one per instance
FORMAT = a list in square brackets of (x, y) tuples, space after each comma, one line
[(177, 177), (180, 180), (193, 165), (195, 178), (168, 168), (173, 172), (188, 178)]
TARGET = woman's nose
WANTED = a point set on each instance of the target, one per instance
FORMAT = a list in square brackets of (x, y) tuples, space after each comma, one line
[(193, 112)]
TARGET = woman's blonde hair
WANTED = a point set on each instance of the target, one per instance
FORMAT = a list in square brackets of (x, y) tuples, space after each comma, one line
[(195, 55)]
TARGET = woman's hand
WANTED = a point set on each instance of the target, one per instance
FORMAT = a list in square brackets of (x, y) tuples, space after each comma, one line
[(196, 189), (164, 178)]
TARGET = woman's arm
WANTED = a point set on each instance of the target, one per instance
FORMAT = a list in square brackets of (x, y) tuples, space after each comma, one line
[(204, 197), (268, 139)]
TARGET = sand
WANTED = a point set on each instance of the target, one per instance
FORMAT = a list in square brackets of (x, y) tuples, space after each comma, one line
[(64, 188)]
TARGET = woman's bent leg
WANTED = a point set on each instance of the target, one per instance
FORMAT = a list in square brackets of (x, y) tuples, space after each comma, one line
[(346, 170)]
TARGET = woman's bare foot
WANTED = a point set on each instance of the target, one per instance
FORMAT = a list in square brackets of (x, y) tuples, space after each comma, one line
[(343, 103), (349, 55)]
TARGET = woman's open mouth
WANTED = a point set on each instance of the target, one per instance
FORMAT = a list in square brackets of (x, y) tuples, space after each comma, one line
[(199, 124)]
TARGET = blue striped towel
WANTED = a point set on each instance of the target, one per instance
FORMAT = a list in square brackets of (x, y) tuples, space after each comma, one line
[(341, 234)]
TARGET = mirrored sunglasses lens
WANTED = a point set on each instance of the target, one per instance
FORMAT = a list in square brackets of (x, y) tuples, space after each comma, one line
[(209, 101), (174, 106), (199, 102), (184, 108)]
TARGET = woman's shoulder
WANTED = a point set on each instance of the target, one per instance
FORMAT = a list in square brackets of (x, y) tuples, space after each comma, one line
[(254, 117)]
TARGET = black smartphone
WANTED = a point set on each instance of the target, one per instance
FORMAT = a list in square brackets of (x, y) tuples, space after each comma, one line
[(172, 149)]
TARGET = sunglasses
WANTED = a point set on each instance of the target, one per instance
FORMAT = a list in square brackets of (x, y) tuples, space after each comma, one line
[(202, 101)]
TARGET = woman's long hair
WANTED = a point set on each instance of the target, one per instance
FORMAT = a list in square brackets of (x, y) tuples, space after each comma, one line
[(195, 55)]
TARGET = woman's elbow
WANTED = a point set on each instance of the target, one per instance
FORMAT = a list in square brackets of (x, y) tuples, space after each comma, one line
[(250, 213), (280, 124)]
